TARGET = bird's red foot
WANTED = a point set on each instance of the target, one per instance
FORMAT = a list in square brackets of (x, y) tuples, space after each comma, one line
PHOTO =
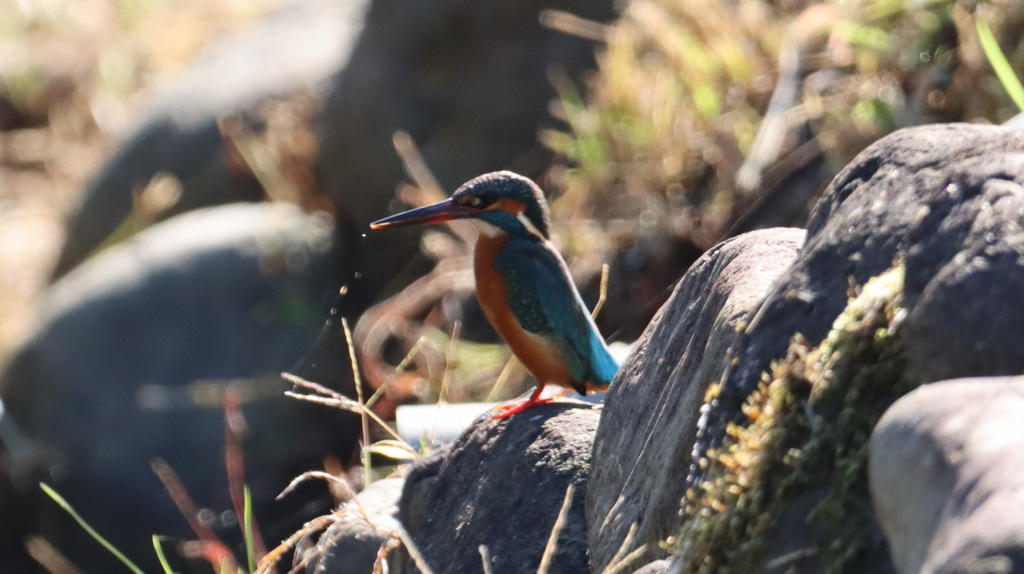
[(507, 410)]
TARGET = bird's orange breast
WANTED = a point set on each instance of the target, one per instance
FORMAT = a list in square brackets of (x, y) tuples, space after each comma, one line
[(540, 355)]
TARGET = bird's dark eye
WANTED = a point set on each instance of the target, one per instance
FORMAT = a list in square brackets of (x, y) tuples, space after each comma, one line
[(489, 197), (481, 201)]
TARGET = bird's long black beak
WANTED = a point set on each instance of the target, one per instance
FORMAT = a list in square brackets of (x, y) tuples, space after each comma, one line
[(441, 211)]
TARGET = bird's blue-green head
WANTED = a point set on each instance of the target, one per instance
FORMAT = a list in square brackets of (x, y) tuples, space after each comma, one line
[(504, 201)]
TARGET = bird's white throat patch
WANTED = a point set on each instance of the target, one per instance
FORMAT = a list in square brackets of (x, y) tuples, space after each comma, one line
[(484, 228), (529, 225), (489, 230)]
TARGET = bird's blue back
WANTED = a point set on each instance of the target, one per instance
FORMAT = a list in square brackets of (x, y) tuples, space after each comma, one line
[(544, 299)]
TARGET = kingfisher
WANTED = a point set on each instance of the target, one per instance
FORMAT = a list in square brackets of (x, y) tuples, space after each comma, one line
[(523, 284)]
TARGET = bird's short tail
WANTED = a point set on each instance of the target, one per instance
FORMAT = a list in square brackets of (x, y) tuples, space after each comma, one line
[(602, 364)]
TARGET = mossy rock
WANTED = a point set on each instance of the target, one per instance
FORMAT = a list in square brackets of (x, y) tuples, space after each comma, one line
[(802, 450)]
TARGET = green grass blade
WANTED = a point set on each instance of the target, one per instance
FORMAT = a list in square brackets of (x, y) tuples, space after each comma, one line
[(89, 529), (160, 555), (1000, 65), (248, 531)]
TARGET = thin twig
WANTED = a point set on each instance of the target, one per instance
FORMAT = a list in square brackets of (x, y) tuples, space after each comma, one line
[(556, 530)]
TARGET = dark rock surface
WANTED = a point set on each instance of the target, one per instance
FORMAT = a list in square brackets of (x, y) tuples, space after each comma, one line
[(946, 477), (362, 526), (501, 484), (944, 199), (927, 194), (297, 48), (643, 444), (131, 360), (965, 272)]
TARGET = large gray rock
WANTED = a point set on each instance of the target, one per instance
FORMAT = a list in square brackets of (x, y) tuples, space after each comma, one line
[(924, 194), (946, 200), (501, 484), (946, 471), (134, 352), (297, 48), (643, 444)]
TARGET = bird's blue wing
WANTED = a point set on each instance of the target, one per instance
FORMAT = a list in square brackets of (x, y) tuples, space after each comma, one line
[(545, 301)]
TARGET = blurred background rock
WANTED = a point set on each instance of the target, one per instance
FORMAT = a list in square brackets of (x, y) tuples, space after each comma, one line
[(138, 295)]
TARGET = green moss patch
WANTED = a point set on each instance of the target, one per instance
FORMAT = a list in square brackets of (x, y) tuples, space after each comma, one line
[(806, 429)]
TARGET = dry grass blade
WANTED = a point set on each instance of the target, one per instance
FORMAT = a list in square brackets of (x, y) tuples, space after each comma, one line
[(317, 474), (485, 556), (234, 428), (394, 450), (789, 558), (260, 160), (614, 563), (380, 565), (343, 405), (615, 567), (334, 400), (604, 292), (556, 530), (367, 478), (398, 369), (499, 384), (187, 508), (427, 190), (414, 552), (318, 388), (443, 394), (271, 559), (346, 403), (573, 25), (51, 559), (416, 167), (621, 559)]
